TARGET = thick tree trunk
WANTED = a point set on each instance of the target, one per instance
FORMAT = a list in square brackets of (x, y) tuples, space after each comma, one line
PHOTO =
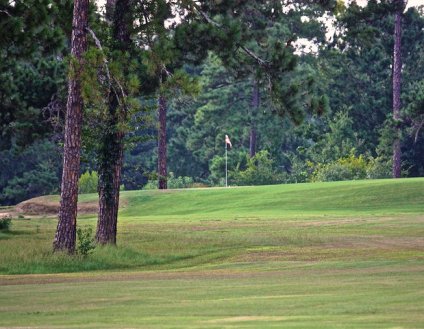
[(66, 228), (397, 80), (253, 113), (112, 140), (162, 172), (110, 10), (110, 166)]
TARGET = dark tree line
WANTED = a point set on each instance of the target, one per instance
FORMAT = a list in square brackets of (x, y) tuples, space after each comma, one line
[(206, 69)]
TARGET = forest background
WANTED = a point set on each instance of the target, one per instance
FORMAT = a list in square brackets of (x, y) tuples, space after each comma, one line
[(328, 115)]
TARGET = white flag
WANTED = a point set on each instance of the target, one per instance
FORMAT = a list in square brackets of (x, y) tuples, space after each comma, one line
[(227, 141)]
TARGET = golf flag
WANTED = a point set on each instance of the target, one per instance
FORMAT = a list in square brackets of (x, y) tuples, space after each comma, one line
[(227, 141)]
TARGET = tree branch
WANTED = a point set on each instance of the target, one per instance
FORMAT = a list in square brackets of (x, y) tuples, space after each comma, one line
[(209, 20), (417, 131), (99, 46), (6, 12), (105, 64)]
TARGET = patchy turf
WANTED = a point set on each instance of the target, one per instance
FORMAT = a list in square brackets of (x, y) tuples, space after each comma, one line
[(295, 256)]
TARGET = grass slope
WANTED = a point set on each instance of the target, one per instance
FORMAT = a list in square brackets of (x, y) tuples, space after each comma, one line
[(374, 197), (327, 255)]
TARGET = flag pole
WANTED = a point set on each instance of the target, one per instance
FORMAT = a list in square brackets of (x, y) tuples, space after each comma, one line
[(226, 166)]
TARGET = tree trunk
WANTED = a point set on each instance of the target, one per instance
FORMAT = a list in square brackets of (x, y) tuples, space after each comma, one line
[(112, 140), (110, 10), (162, 172), (253, 112), (66, 228), (397, 80), (110, 166)]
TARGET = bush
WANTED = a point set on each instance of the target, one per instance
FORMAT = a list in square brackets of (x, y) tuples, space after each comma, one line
[(299, 172), (5, 223), (259, 171), (379, 168), (347, 168), (88, 182), (173, 182), (86, 242)]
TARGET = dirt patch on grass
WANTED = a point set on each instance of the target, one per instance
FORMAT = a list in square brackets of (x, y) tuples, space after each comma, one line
[(47, 205), (5, 214)]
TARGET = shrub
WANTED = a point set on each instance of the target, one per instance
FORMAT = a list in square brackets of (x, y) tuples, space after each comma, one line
[(173, 182), (379, 168), (259, 171), (86, 242), (347, 168), (5, 223), (88, 182)]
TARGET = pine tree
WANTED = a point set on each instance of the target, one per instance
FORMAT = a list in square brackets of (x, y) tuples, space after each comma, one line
[(66, 228), (397, 78), (111, 143)]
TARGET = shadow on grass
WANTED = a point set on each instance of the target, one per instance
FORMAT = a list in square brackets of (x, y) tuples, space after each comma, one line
[(108, 258)]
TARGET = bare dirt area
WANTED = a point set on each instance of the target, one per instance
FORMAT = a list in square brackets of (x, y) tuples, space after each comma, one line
[(46, 205)]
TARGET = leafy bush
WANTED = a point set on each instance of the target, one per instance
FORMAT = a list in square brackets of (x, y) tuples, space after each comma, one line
[(88, 182), (347, 168), (86, 242), (236, 160), (379, 168), (259, 171), (300, 170), (5, 223), (173, 182)]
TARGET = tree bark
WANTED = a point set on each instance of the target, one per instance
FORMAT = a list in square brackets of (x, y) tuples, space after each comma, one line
[(253, 112), (397, 80), (110, 10), (66, 228), (112, 140), (162, 172), (110, 166)]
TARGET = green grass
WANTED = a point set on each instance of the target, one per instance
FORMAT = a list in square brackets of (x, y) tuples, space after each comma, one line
[(325, 255), (376, 197)]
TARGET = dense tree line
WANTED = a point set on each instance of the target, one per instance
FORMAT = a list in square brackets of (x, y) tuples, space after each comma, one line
[(156, 85)]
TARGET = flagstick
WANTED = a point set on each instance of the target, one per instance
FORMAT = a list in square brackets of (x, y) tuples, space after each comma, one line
[(226, 166)]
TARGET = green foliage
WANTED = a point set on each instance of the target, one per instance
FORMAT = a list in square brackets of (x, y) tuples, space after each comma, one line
[(347, 168), (378, 168), (88, 182), (5, 223), (86, 243), (173, 182), (299, 171), (30, 172), (259, 171)]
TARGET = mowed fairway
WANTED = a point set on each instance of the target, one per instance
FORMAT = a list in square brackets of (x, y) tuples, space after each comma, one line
[(324, 255)]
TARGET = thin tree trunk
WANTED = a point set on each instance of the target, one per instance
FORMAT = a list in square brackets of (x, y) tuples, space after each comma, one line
[(112, 140), (66, 228), (254, 111), (162, 172), (397, 80)]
